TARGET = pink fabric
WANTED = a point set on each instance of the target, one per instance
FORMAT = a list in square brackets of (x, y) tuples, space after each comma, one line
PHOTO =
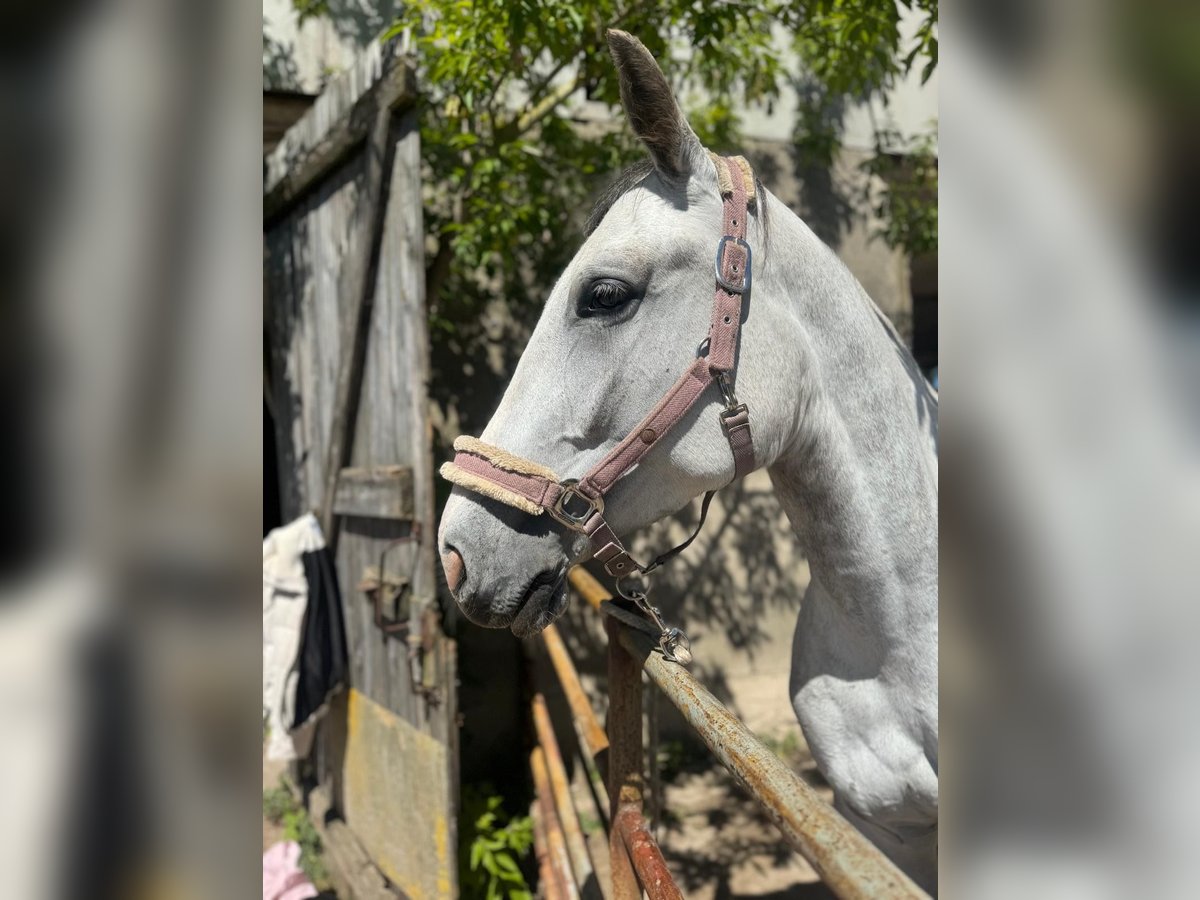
[(283, 879)]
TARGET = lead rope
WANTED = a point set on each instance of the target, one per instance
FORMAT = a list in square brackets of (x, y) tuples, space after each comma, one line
[(672, 642)]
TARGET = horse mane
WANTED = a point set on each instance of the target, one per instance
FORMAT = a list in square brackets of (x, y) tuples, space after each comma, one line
[(625, 182), (631, 177)]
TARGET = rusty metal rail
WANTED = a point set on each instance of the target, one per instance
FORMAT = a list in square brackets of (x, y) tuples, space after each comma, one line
[(562, 882), (592, 740), (847, 862), (588, 727), (568, 818), (648, 863), (551, 888)]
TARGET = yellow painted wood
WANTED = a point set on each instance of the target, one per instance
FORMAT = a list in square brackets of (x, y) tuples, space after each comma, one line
[(396, 794)]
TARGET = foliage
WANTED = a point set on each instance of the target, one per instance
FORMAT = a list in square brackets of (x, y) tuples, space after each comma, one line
[(277, 802), (281, 807), (310, 9), (678, 758), (855, 48), (907, 203), (511, 169), (854, 51), (511, 159), (491, 845)]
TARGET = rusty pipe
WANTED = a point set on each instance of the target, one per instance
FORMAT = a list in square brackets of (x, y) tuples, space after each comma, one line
[(593, 742), (551, 889), (624, 879), (560, 786), (588, 587), (848, 863), (592, 736), (647, 859), (560, 863), (624, 756)]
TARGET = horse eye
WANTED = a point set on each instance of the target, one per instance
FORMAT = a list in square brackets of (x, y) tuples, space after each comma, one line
[(606, 295)]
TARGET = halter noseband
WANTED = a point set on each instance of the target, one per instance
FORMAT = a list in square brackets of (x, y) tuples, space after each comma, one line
[(578, 505)]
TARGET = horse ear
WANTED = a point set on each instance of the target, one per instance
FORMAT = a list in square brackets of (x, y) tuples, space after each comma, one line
[(651, 108)]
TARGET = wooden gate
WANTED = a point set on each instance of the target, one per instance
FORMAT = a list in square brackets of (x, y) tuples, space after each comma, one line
[(347, 366)]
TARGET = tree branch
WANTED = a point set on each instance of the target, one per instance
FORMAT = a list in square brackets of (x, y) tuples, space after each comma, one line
[(516, 127)]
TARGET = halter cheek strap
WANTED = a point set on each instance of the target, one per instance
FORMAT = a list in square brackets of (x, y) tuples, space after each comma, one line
[(579, 505)]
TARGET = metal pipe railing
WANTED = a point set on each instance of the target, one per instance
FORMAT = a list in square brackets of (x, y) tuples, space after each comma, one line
[(643, 852), (556, 844), (847, 862), (591, 733), (625, 782), (593, 742), (581, 860), (635, 861), (551, 888)]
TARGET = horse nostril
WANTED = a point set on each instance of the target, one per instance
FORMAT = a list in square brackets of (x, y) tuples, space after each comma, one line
[(452, 565)]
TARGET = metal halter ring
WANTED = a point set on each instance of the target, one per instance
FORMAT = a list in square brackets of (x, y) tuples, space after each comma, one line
[(567, 510), (636, 594)]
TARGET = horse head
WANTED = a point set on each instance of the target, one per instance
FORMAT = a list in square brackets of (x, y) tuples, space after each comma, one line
[(630, 313)]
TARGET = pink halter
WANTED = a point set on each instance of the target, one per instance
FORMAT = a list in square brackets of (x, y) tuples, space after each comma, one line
[(579, 504)]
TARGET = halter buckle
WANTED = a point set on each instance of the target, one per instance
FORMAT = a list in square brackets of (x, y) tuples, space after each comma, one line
[(744, 287), (729, 413), (636, 591), (574, 508)]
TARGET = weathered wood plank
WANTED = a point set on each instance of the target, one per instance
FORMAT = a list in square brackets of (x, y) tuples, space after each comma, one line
[(339, 121), (309, 251), (395, 791), (350, 868), (375, 669), (354, 284), (377, 492), (393, 426), (315, 316), (407, 279)]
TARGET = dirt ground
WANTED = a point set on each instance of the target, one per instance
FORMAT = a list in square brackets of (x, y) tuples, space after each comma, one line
[(720, 845), (717, 842)]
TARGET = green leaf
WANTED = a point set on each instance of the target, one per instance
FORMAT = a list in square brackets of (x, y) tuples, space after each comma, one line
[(494, 196), (505, 863)]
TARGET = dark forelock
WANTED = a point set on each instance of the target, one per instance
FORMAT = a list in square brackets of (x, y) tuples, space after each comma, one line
[(621, 185)]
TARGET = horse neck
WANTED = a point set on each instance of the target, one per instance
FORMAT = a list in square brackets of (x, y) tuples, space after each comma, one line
[(857, 474)]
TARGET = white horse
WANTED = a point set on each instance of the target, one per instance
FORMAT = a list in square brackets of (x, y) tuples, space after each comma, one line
[(842, 419)]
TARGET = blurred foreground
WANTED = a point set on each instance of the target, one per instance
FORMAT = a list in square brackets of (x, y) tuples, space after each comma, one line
[(132, 254), (1069, 369)]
